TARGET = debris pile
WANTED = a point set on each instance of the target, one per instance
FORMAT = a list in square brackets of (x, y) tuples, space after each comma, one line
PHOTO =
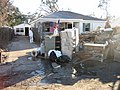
[(100, 45), (88, 37), (98, 50), (3, 55), (114, 47), (94, 47)]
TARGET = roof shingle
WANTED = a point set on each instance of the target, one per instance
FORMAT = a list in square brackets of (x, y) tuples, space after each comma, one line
[(71, 15)]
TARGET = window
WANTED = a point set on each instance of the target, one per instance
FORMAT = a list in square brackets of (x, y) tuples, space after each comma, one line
[(69, 26), (21, 30), (86, 27), (17, 29), (47, 26)]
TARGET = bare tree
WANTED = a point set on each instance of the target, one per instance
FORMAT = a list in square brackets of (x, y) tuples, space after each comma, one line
[(103, 4), (49, 6)]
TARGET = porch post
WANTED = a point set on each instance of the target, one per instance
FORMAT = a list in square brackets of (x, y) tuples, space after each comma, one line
[(81, 28), (72, 24)]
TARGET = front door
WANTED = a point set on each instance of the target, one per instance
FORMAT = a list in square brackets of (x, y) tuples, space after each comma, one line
[(26, 31)]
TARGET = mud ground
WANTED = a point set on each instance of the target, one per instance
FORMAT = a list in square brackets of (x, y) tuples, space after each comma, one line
[(20, 72)]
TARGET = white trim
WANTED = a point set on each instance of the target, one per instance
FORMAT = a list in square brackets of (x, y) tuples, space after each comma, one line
[(91, 21), (63, 20), (55, 20), (81, 21)]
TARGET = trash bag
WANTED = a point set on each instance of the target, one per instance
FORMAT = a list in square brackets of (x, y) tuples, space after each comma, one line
[(63, 59), (52, 56)]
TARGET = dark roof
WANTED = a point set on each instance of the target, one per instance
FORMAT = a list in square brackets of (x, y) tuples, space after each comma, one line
[(71, 15)]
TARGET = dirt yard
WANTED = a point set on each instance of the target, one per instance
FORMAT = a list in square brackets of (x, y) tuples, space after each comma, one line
[(19, 72)]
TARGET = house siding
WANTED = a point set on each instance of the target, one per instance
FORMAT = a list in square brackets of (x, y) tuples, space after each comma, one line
[(98, 24), (93, 25)]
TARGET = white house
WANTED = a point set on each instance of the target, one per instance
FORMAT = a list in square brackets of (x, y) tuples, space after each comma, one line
[(22, 29), (68, 20)]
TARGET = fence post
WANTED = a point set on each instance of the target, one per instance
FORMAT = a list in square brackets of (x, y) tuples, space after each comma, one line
[(0, 55)]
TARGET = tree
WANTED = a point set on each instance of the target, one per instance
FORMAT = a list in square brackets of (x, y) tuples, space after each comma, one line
[(15, 17), (49, 6), (31, 17), (103, 4), (4, 9), (9, 14), (46, 7)]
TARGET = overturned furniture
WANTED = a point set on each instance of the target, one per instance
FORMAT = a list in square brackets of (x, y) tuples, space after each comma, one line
[(98, 51)]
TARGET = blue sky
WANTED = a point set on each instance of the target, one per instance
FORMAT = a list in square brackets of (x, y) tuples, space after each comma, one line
[(85, 7)]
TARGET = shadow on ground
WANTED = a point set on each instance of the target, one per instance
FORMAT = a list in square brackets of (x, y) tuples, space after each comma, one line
[(37, 73)]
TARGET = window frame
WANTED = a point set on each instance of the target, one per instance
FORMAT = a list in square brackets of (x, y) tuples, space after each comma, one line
[(86, 27)]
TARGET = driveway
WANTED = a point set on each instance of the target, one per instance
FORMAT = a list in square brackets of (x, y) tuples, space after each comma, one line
[(19, 66)]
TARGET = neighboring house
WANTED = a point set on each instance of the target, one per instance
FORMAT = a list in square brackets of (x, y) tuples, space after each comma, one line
[(22, 29), (68, 20)]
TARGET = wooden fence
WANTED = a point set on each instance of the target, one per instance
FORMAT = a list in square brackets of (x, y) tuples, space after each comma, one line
[(36, 35), (6, 35)]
